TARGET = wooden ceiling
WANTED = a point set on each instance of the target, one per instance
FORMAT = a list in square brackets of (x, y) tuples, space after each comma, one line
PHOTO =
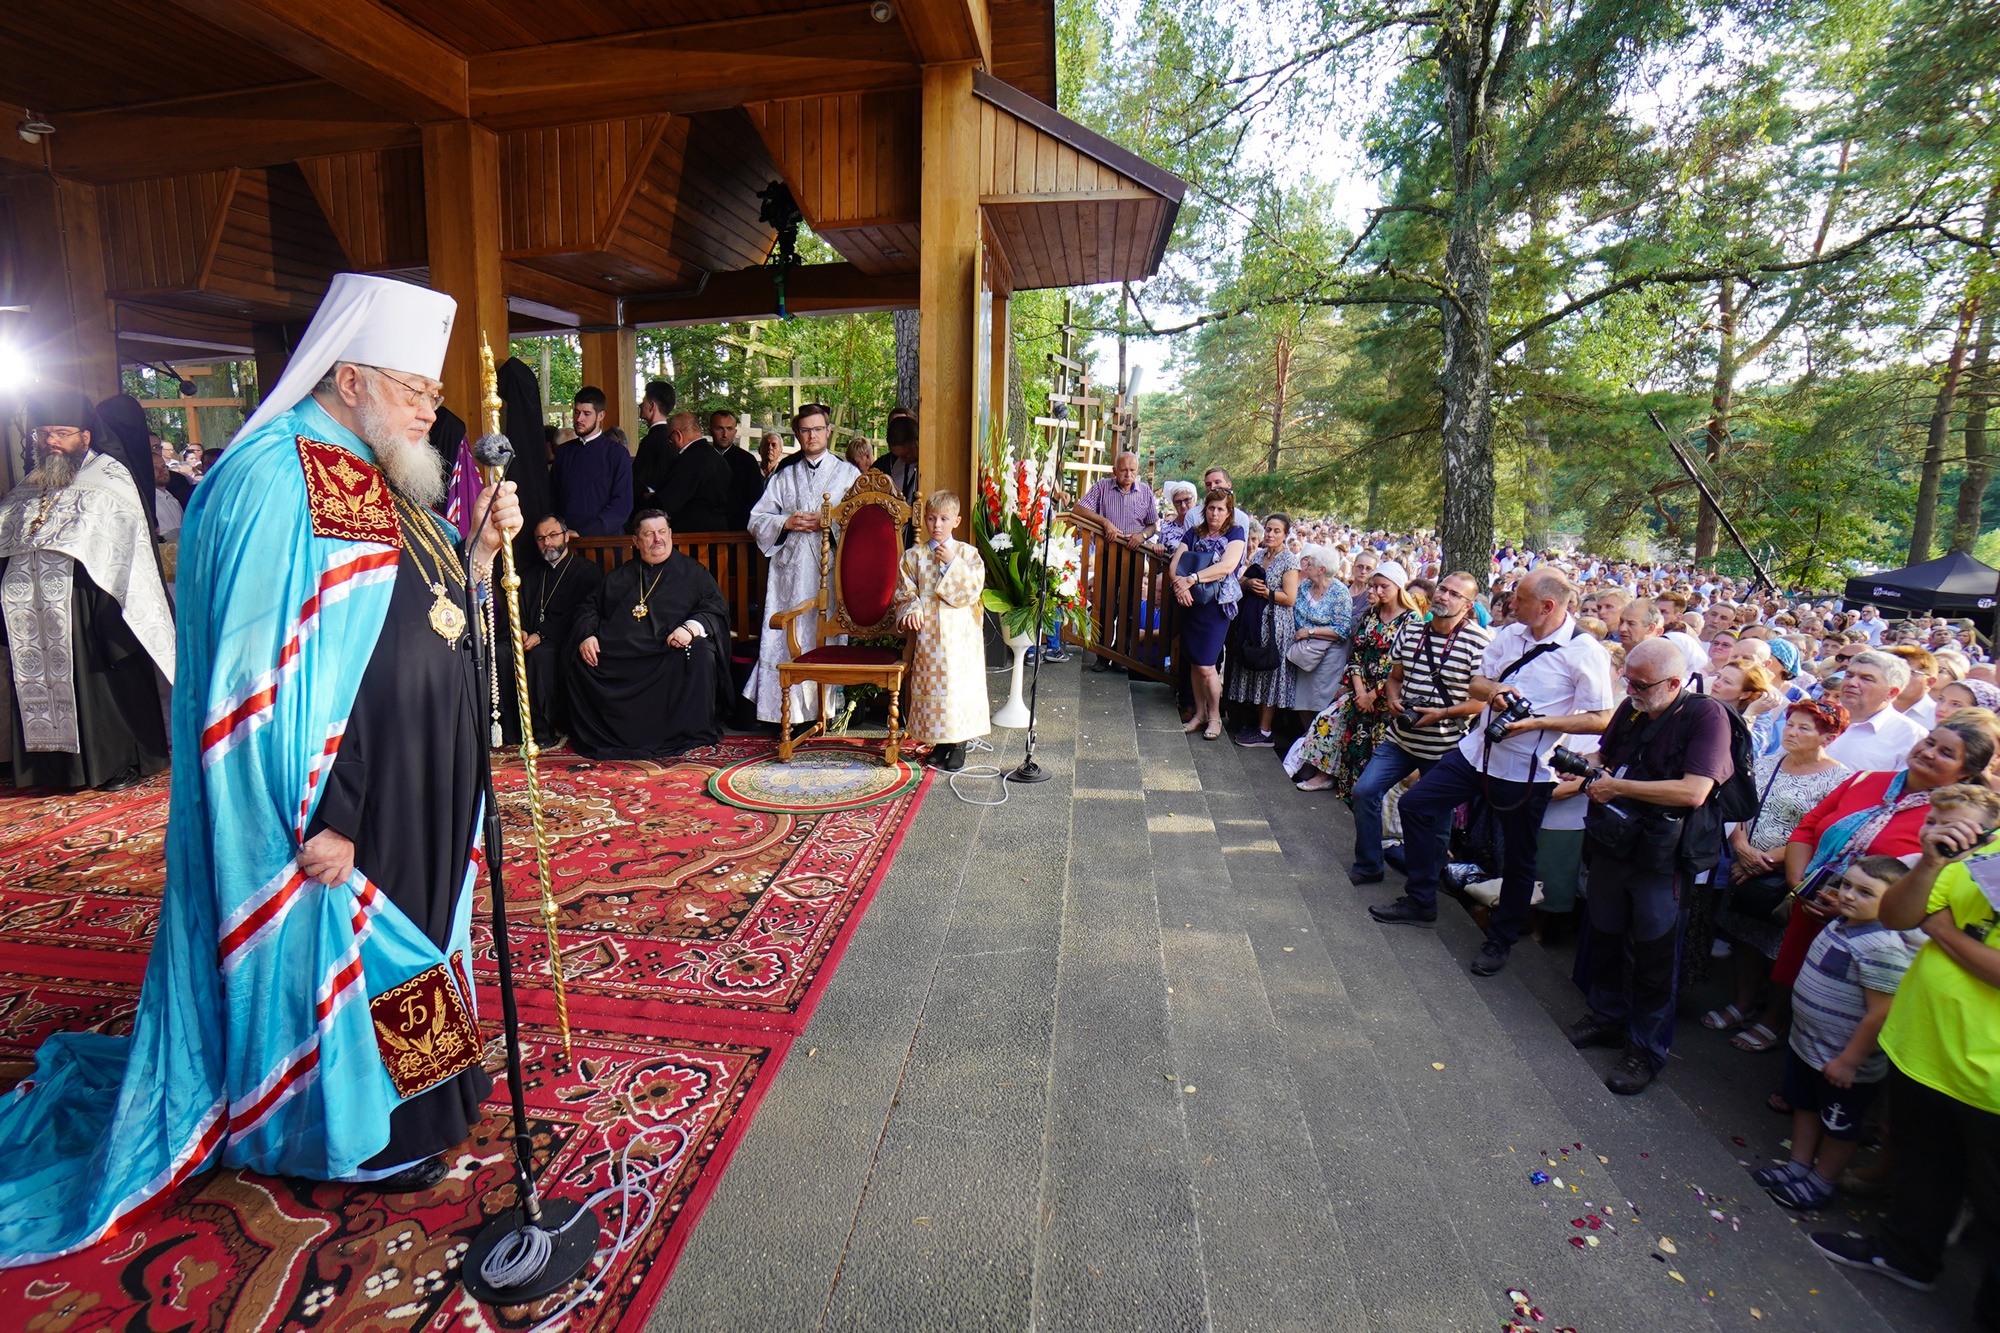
[(242, 151)]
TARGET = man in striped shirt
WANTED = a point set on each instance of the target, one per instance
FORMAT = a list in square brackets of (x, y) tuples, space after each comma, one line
[(1429, 679)]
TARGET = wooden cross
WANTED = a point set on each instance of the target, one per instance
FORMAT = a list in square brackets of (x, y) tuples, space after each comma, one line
[(795, 382)]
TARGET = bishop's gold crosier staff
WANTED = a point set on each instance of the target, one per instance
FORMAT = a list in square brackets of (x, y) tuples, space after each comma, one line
[(510, 583)]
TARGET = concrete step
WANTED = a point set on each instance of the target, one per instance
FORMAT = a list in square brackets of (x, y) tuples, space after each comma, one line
[(1436, 1161)]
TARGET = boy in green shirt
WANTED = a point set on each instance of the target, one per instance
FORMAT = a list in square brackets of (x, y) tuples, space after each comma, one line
[(1943, 1042)]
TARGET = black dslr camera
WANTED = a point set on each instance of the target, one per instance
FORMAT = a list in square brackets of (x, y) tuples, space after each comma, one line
[(1513, 710), (1569, 763)]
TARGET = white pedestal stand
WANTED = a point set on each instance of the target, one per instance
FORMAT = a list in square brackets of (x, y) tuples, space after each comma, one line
[(1014, 713)]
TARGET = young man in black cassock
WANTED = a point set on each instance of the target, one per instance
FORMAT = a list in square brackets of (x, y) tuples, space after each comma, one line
[(746, 474), (551, 591), (651, 667)]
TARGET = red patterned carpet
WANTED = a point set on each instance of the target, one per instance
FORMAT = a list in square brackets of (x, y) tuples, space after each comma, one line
[(696, 936)]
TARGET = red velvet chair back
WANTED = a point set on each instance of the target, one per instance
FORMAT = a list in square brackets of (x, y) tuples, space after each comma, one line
[(868, 557)]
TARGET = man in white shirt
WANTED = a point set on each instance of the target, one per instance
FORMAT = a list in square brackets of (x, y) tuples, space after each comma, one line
[(1878, 738), (1564, 675), (1915, 700), (1871, 624)]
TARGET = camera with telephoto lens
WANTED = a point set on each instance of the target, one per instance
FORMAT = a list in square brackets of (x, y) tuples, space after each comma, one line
[(1569, 763), (1513, 710)]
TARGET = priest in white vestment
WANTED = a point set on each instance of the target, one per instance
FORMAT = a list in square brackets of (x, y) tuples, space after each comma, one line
[(82, 611), (786, 524)]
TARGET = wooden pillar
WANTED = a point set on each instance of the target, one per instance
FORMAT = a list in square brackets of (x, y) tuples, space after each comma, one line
[(67, 336), (272, 344), (948, 278), (611, 362), (462, 222)]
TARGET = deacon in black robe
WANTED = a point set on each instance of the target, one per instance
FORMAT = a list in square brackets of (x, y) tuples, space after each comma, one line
[(681, 475), (405, 788), (554, 583), (649, 664)]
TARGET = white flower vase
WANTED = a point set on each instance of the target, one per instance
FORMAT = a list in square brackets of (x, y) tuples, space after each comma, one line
[(1014, 713)]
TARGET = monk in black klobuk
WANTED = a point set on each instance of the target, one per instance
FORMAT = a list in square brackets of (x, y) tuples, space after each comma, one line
[(552, 588), (650, 670)]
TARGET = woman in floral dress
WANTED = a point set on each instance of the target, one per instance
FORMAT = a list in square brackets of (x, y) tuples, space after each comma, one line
[(1279, 589), (1345, 734)]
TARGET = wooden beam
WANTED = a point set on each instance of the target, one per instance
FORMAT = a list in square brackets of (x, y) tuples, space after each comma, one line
[(611, 363), (359, 44), (690, 68), (462, 223), (746, 294), (948, 30), (588, 305), (948, 273), (258, 127), (70, 341)]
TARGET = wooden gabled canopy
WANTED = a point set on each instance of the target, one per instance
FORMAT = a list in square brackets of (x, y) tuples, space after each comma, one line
[(593, 166)]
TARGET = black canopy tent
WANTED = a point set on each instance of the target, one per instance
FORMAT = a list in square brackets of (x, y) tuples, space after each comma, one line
[(1954, 585)]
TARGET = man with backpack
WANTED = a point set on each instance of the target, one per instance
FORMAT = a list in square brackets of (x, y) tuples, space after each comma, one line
[(1674, 766)]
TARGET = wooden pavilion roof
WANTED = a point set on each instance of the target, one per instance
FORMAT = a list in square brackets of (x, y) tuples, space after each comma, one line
[(243, 151)]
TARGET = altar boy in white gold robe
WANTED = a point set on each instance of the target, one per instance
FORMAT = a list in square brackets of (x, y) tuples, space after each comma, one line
[(937, 599)]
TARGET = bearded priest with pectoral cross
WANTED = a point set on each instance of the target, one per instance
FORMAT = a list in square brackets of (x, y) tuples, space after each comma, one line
[(308, 1009), (650, 675)]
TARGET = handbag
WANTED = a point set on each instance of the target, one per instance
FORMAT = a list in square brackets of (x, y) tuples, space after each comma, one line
[(1307, 654), (1760, 896), (1204, 594)]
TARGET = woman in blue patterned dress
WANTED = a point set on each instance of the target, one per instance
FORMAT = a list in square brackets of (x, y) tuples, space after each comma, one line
[(1323, 616)]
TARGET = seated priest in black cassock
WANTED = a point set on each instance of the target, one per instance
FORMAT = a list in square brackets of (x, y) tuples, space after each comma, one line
[(551, 592), (83, 612), (650, 673)]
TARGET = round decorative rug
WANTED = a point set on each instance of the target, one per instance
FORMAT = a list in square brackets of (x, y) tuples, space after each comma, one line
[(833, 777)]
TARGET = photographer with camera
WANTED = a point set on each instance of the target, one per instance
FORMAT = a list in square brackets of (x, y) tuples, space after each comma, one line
[(1540, 674), (1650, 830), (1430, 677)]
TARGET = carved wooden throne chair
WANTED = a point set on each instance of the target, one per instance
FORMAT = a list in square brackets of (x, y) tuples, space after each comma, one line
[(857, 597)]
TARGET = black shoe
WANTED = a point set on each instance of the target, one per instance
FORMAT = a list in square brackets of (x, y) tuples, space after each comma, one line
[(1865, 1252), (1252, 739), (1403, 912), (1631, 1074), (131, 777), (412, 1179), (1587, 1031), (1362, 877), (1101, 664), (1492, 957), (947, 758)]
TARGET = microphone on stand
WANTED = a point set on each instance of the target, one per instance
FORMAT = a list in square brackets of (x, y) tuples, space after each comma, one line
[(539, 1245)]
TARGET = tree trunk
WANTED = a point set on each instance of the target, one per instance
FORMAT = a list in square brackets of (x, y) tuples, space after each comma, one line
[(1978, 463), (1283, 367), (907, 394), (1924, 523), (1017, 401), (1373, 518), (1707, 529), (1535, 480), (1466, 432)]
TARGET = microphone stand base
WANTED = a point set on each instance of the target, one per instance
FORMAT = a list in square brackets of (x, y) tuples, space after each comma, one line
[(1029, 771), (569, 1255)]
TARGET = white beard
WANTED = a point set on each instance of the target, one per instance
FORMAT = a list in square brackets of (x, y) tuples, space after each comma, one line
[(55, 472), (554, 557), (414, 470)]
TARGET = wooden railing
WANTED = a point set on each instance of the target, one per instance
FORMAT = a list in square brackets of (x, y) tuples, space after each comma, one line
[(732, 557), (1134, 619)]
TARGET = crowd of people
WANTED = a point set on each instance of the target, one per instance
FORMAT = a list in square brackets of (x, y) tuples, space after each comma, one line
[(1673, 767)]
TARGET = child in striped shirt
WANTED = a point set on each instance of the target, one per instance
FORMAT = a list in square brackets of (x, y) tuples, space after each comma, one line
[(1839, 1003)]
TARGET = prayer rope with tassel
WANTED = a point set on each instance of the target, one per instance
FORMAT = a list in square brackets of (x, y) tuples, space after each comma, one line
[(510, 582)]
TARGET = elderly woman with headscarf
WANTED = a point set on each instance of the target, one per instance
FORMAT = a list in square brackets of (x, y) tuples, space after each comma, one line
[(1174, 522), (1342, 738), (1322, 618)]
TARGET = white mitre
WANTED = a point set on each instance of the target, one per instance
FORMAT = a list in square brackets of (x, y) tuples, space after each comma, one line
[(373, 321)]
